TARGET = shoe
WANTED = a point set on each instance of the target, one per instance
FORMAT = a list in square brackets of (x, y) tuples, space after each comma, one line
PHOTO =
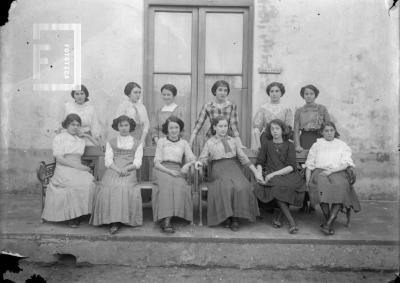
[(227, 223), (114, 228), (325, 229), (166, 226), (235, 225), (74, 223), (293, 230)]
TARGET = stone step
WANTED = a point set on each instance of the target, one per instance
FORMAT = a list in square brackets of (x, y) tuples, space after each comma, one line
[(371, 242)]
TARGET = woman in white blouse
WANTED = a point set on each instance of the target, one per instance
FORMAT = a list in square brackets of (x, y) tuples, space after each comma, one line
[(70, 191), (119, 201), (135, 109), (172, 194), (326, 165), (81, 106)]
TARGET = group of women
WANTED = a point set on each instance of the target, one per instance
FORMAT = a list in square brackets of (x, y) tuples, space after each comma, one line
[(232, 198)]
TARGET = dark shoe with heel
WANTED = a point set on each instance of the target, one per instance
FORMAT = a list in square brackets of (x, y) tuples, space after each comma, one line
[(235, 224)]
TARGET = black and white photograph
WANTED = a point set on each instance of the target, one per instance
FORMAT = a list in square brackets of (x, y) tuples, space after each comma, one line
[(199, 141)]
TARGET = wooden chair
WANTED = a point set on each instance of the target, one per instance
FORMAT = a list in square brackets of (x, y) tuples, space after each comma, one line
[(252, 155)]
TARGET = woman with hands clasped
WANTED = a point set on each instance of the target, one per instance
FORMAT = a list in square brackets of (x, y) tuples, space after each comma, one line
[(172, 196), (119, 201), (281, 183)]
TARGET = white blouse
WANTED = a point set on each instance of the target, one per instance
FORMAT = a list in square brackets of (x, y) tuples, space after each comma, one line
[(87, 114), (137, 111), (126, 142), (325, 154), (169, 108), (173, 151), (65, 143)]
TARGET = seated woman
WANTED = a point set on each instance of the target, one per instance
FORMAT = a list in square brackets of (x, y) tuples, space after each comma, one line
[(172, 196), (170, 108), (270, 111), (70, 191), (134, 108), (308, 119), (220, 107), (81, 106), (118, 200), (326, 164), (277, 162), (230, 194)]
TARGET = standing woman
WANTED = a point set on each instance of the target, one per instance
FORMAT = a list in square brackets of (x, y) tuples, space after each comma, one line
[(220, 107), (170, 108), (230, 194), (119, 201), (270, 111), (277, 162), (81, 106), (308, 119), (134, 109), (70, 191), (172, 196), (329, 187)]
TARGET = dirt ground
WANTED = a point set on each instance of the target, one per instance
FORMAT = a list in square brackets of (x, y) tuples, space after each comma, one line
[(110, 273)]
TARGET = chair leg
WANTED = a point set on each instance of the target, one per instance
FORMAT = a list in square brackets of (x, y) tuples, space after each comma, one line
[(200, 209)]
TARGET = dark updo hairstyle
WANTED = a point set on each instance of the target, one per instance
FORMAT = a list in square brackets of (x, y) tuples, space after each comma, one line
[(215, 121), (285, 129), (69, 119), (129, 86), (116, 121), (170, 119), (329, 123), (171, 88), (219, 83), (84, 89), (279, 85), (313, 88)]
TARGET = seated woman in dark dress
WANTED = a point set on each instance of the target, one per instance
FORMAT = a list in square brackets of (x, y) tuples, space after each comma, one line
[(277, 162), (230, 194)]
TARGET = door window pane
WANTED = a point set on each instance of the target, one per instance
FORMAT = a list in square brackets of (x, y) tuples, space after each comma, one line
[(172, 42), (224, 43)]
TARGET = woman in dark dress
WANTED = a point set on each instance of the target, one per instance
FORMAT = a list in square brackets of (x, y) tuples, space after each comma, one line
[(277, 162), (230, 194)]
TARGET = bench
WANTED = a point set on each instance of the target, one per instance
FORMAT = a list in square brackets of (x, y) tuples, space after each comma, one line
[(252, 155)]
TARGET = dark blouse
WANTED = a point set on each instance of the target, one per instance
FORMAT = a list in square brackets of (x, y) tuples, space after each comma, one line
[(273, 157)]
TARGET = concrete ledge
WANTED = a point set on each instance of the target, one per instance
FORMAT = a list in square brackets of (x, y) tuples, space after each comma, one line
[(370, 243), (223, 254)]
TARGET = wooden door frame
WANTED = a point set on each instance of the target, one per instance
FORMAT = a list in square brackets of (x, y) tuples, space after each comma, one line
[(148, 45)]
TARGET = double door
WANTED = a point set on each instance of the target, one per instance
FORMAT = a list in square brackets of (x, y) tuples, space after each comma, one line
[(191, 48)]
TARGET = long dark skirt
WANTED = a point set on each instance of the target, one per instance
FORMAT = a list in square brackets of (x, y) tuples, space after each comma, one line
[(289, 188), (333, 189), (230, 194), (308, 138)]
